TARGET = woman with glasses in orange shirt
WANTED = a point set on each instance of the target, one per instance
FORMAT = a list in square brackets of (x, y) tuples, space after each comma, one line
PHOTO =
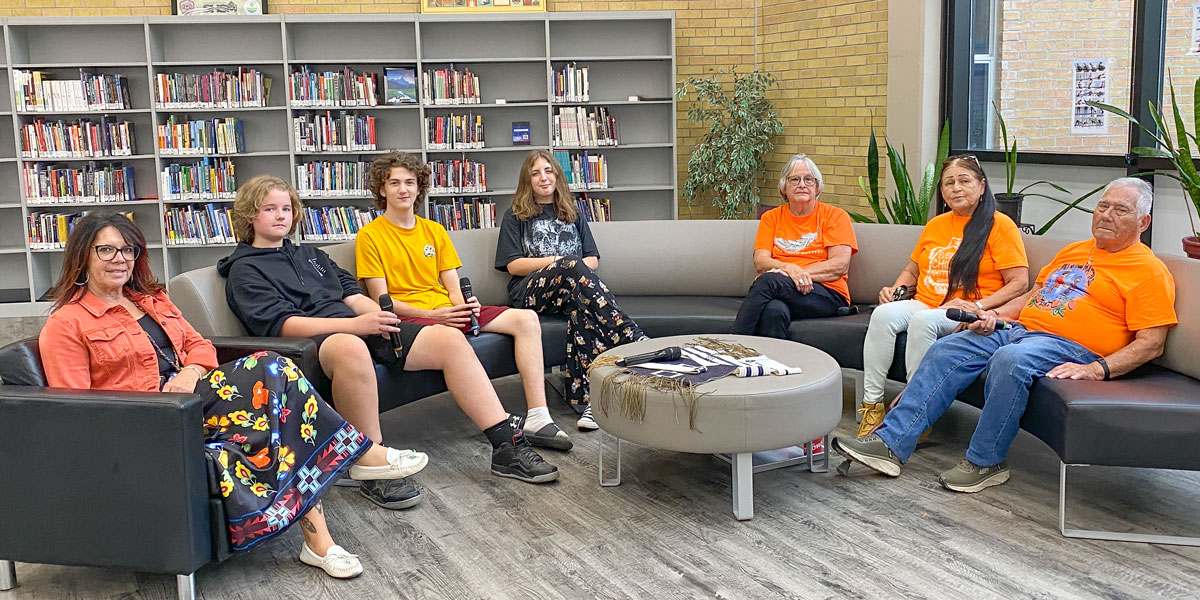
[(801, 254), (971, 258)]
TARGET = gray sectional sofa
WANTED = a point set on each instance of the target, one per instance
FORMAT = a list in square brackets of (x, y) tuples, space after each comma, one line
[(688, 277)]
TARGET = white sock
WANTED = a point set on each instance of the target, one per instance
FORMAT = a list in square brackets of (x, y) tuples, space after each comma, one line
[(537, 418)]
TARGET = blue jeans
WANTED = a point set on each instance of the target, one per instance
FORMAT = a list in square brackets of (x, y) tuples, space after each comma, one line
[(1013, 358)]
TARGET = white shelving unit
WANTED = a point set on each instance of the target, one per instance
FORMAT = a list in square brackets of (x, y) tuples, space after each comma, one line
[(514, 55)]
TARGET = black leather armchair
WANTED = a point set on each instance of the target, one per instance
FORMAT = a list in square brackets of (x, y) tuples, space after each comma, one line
[(111, 479)]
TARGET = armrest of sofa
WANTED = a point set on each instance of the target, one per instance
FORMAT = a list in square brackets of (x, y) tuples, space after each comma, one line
[(87, 469), (302, 351)]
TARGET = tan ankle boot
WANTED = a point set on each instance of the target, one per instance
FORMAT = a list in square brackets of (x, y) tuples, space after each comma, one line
[(872, 416)]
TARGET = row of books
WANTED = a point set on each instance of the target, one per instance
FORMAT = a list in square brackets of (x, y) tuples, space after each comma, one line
[(328, 178), (584, 171), (209, 136), (454, 132), (329, 132), (37, 91), (464, 213), (47, 183), (247, 88), (198, 225), (597, 210), (457, 176), (334, 223), (82, 138), (448, 86), (333, 88), (49, 230), (580, 127), (207, 179), (571, 84)]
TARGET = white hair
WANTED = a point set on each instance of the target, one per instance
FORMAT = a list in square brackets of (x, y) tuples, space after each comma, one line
[(812, 169), (1145, 194)]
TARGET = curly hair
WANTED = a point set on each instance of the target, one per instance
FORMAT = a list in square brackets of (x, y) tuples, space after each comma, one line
[(523, 205), (249, 200), (381, 168)]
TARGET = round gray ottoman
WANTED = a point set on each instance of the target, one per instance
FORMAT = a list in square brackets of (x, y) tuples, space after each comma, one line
[(734, 415)]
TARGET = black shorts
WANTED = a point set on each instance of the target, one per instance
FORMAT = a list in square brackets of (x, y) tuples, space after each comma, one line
[(381, 347)]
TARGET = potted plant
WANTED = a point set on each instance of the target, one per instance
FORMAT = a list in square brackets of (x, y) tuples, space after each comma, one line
[(1010, 202), (724, 167), (908, 205), (1180, 154)]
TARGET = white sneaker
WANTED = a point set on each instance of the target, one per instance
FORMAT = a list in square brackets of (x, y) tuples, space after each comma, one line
[(401, 463), (336, 563), (586, 422)]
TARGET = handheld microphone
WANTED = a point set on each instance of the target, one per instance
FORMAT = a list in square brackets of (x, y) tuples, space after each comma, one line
[(465, 285), (385, 302), (668, 353), (962, 316)]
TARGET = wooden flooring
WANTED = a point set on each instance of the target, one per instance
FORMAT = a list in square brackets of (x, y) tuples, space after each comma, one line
[(668, 531)]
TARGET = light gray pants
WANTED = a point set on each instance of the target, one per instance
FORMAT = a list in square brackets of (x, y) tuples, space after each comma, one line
[(924, 325)]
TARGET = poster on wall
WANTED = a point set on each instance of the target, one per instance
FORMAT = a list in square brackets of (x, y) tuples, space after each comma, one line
[(1195, 47), (1091, 85)]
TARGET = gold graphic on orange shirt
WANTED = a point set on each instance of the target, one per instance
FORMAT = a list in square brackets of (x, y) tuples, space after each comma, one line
[(937, 273)]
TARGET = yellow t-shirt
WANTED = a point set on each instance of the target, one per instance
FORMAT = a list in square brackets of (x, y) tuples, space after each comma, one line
[(806, 240), (410, 260), (1100, 299), (939, 242)]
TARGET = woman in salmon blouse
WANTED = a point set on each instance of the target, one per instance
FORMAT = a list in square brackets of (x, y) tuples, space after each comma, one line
[(276, 444), (970, 258)]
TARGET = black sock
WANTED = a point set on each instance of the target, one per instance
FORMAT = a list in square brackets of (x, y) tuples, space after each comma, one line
[(507, 430)]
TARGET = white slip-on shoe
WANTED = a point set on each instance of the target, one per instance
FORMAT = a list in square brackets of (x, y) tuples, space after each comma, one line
[(401, 463), (336, 563)]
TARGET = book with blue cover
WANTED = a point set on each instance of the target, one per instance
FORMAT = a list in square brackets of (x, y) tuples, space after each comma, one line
[(401, 85)]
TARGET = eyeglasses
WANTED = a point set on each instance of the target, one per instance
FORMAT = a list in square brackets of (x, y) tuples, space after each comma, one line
[(807, 180), (970, 157), (106, 252)]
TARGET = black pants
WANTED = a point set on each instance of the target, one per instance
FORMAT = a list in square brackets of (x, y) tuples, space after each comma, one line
[(594, 321), (773, 302)]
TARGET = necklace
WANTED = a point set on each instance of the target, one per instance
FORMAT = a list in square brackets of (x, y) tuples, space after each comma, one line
[(1089, 255), (172, 358)]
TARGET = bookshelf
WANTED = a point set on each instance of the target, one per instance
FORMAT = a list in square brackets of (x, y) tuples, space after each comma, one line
[(515, 57)]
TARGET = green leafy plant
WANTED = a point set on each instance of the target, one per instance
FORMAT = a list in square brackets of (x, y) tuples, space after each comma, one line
[(908, 205), (724, 167), (1177, 150), (1010, 180)]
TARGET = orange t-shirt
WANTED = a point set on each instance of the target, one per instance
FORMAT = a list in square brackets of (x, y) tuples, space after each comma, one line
[(1101, 302), (806, 240), (939, 242)]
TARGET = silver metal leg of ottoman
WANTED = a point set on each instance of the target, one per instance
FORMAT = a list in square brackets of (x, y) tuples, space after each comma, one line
[(824, 462), (743, 486), (609, 482), (8, 575)]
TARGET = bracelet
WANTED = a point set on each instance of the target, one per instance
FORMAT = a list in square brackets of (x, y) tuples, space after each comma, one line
[(202, 372), (1104, 365), (980, 305)]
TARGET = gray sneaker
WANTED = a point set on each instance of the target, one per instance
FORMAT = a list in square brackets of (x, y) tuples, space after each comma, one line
[(871, 451), (970, 477)]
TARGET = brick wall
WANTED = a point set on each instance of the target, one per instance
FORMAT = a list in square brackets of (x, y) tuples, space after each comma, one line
[(831, 59), (830, 55), (1184, 68), (1038, 41)]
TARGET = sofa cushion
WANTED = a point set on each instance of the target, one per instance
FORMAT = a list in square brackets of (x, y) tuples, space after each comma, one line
[(661, 316)]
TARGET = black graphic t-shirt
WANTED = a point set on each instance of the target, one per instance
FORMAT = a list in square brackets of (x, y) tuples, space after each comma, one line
[(541, 236)]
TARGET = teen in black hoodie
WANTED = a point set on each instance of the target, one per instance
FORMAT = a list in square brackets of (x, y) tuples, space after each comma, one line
[(277, 288)]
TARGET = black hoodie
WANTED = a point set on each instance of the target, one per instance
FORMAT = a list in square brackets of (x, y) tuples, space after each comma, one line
[(266, 286)]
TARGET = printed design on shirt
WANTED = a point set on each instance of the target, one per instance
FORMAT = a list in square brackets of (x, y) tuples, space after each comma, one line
[(317, 266), (1063, 288), (552, 237), (429, 251), (937, 271), (795, 247)]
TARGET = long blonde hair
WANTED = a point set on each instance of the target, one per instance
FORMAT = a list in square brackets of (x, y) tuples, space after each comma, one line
[(524, 207)]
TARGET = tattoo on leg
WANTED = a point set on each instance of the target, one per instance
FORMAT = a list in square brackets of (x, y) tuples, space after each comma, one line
[(308, 526), (320, 509)]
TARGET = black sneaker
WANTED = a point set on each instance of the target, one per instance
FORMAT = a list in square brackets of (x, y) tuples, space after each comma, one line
[(522, 462), (390, 493)]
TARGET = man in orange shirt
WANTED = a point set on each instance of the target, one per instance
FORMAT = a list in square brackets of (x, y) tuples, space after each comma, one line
[(801, 253), (1100, 309)]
